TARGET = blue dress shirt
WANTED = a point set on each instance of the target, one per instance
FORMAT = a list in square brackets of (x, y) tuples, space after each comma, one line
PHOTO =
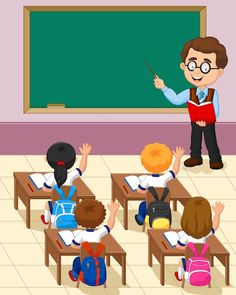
[(184, 96)]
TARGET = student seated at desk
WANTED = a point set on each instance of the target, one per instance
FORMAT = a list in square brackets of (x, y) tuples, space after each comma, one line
[(197, 225), (90, 214), (157, 158), (61, 156)]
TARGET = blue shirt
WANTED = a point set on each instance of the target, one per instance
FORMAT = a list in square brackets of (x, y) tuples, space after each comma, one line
[(184, 96)]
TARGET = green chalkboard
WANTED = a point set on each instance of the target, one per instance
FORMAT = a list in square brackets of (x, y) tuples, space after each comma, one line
[(95, 59)]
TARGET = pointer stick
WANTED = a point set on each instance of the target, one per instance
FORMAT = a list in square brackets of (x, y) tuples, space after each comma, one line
[(150, 69)]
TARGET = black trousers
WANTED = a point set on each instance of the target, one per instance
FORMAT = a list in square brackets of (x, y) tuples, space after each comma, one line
[(210, 141)]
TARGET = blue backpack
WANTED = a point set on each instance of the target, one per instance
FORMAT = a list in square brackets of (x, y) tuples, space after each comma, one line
[(63, 209), (93, 268)]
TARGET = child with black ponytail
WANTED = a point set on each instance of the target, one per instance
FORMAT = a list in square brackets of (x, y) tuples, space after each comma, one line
[(61, 157)]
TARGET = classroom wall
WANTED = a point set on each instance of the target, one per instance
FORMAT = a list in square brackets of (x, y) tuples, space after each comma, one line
[(219, 22), (114, 133)]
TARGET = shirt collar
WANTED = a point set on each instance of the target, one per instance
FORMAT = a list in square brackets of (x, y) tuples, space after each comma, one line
[(89, 229), (205, 91), (155, 175)]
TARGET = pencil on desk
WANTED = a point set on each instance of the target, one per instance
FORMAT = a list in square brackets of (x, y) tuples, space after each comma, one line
[(125, 189), (30, 188), (58, 244), (164, 245)]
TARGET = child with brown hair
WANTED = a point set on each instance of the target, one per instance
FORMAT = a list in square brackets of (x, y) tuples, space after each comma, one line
[(90, 214), (197, 225), (157, 158)]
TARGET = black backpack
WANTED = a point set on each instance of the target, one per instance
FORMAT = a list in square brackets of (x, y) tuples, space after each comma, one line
[(159, 211)]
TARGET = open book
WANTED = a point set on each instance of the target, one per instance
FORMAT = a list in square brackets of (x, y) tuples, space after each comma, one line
[(68, 236), (172, 237), (38, 179), (202, 112), (134, 181)]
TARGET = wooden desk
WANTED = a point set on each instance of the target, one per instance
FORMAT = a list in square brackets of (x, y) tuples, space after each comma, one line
[(156, 248), (123, 193), (26, 191), (112, 248)]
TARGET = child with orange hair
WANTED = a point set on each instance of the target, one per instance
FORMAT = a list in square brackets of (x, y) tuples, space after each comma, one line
[(157, 158)]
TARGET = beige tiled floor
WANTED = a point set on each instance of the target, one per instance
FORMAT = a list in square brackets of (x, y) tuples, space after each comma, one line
[(22, 250)]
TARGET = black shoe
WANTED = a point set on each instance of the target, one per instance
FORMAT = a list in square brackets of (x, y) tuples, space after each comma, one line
[(137, 220)]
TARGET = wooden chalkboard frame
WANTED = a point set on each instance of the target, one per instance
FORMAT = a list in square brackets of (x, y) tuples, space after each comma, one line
[(59, 110)]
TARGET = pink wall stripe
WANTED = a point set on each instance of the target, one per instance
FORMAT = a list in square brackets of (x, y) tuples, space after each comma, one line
[(106, 138)]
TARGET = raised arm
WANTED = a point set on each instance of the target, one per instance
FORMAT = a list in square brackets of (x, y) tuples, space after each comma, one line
[(178, 153), (85, 151), (170, 94), (217, 209), (113, 208)]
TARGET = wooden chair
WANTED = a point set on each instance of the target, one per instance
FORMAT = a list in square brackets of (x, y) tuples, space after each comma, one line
[(150, 198), (55, 197), (84, 254), (189, 253)]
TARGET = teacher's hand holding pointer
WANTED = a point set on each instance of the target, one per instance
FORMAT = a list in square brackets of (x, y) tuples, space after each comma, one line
[(158, 83)]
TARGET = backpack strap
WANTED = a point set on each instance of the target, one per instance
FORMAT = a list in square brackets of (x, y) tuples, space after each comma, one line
[(204, 249), (192, 247), (99, 249), (152, 190), (165, 194), (88, 248), (60, 192), (71, 192)]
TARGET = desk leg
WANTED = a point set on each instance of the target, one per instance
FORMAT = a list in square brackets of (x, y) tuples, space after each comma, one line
[(149, 251), (46, 255), (59, 269), (123, 269), (211, 258), (15, 195), (125, 215), (28, 212), (162, 269), (174, 205), (227, 280), (113, 191), (108, 260)]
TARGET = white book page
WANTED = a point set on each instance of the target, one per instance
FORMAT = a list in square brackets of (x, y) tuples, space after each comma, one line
[(67, 236), (76, 232), (172, 237), (38, 179), (48, 175), (133, 181), (142, 177), (181, 233)]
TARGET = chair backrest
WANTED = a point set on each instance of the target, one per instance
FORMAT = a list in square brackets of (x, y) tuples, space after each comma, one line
[(189, 253), (159, 190), (65, 188), (84, 253)]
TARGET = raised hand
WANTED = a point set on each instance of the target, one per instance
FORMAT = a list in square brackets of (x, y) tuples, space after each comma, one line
[(113, 207), (218, 207), (85, 149), (179, 152), (158, 83)]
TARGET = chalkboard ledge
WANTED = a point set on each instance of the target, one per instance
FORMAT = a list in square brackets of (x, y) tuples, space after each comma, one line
[(106, 110)]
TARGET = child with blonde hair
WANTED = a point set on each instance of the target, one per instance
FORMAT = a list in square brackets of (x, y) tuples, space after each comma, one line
[(157, 158)]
